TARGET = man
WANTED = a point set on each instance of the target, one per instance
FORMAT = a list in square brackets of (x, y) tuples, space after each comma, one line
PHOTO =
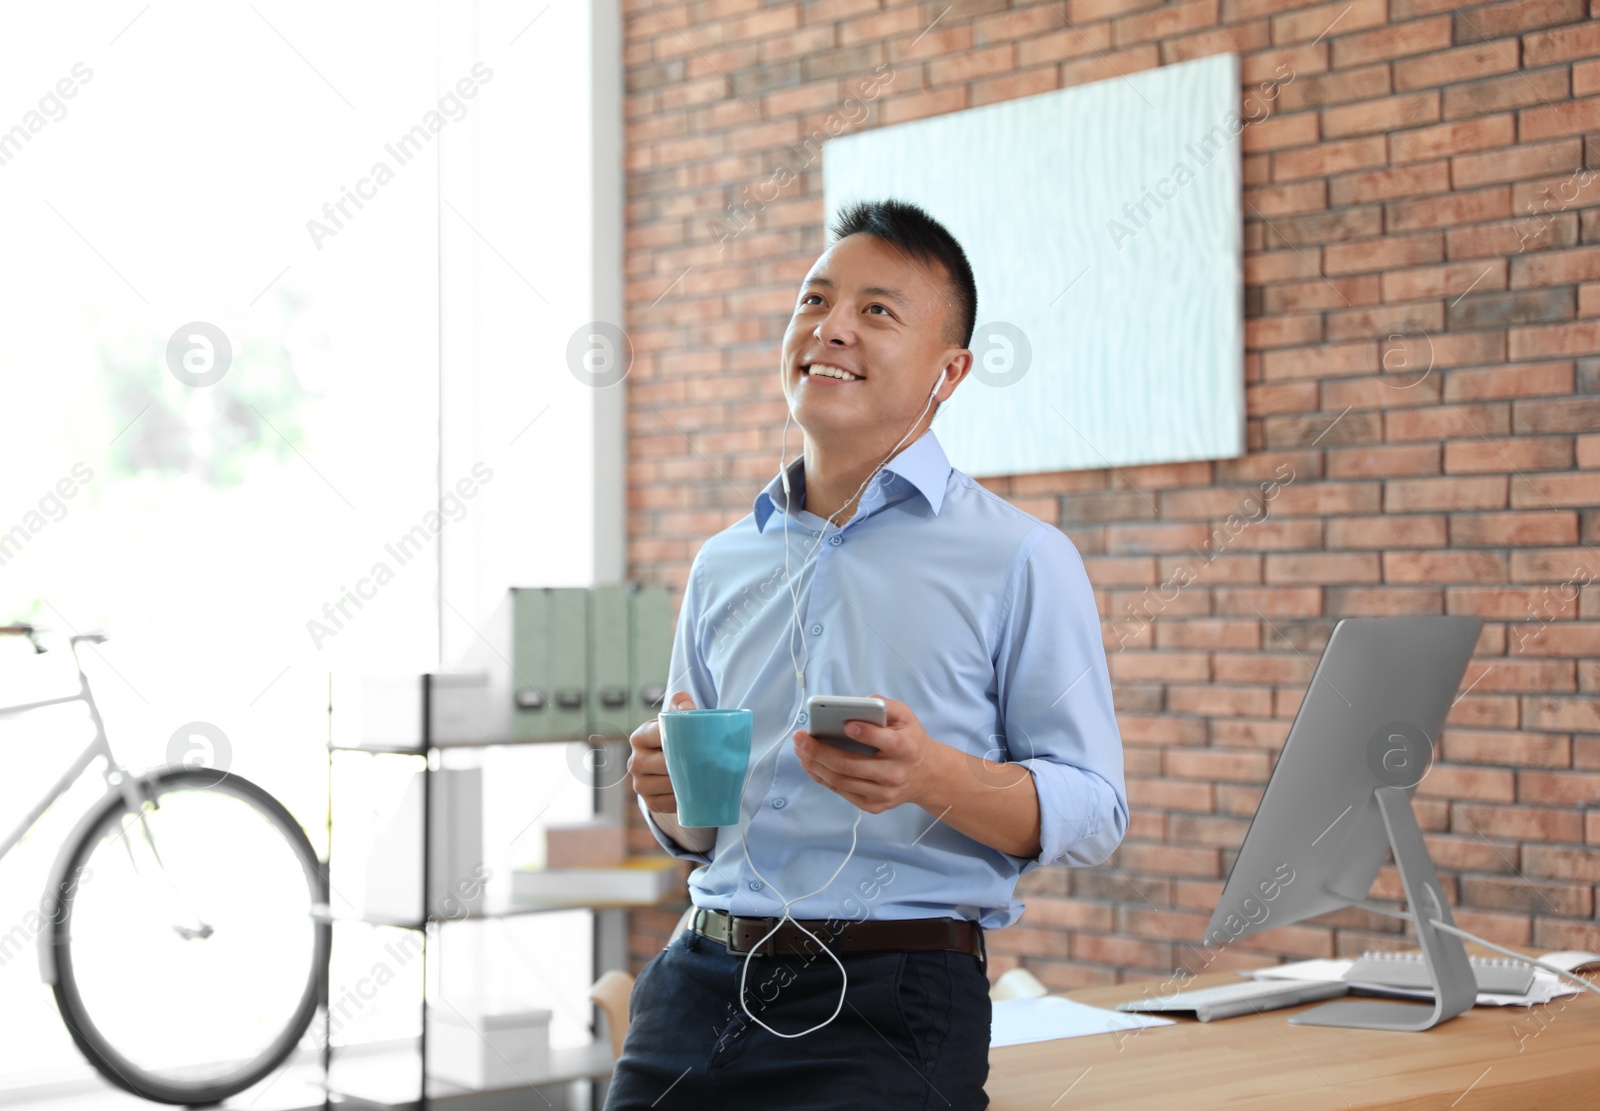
[(976, 624)]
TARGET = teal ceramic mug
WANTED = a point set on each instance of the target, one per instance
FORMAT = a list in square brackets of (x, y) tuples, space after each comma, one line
[(707, 754)]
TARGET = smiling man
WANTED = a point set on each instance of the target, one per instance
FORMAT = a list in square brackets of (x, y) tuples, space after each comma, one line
[(871, 566)]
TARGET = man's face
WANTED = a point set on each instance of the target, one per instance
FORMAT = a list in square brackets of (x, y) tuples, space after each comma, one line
[(867, 308)]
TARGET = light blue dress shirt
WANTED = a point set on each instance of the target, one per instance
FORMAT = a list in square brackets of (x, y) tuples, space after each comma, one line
[(946, 597)]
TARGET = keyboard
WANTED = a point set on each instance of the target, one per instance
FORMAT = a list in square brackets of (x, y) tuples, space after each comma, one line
[(1247, 997)]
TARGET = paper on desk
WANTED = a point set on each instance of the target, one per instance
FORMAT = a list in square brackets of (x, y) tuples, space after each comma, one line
[(1041, 1019), (1546, 985)]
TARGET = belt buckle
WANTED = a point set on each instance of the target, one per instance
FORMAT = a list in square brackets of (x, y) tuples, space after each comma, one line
[(762, 949)]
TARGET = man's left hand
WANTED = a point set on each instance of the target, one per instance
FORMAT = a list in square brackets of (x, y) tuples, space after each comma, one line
[(906, 768)]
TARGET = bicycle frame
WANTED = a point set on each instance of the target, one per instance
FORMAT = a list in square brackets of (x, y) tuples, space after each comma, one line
[(99, 745)]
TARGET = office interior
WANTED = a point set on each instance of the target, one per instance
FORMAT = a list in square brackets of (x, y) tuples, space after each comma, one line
[(374, 374)]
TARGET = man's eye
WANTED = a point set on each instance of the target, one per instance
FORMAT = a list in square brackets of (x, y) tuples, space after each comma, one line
[(875, 305)]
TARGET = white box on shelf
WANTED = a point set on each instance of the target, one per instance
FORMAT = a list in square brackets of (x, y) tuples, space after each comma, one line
[(639, 880), (485, 1049), (455, 860)]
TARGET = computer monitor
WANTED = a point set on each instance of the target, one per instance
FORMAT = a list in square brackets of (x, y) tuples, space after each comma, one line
[(1339, 801)]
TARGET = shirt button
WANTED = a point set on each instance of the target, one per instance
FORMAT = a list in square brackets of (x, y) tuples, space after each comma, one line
[(836, 541), (816, 630), (755, 885), (802, 717), (779, 804)]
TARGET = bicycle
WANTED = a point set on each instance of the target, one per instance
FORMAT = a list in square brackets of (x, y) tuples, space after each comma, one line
[(167, 1002)]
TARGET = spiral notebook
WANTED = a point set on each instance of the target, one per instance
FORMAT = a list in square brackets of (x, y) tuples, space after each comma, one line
[(1500, 975)]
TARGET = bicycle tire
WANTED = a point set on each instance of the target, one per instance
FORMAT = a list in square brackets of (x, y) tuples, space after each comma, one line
[(104, 1057)]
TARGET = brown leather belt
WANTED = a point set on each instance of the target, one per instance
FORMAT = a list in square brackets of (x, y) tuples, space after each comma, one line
[(740, 935)]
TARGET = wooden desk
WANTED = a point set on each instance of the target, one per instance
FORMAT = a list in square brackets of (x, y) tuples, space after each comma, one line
[(1489, 1059)]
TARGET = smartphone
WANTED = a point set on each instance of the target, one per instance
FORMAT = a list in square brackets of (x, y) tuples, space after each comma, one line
[(827, 713)]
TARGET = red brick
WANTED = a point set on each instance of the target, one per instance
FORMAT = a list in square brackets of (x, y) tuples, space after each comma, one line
[(1499, 530), (1501, 455), (1327, 158), (1548, 491), (1397, 40), (1513, 749), (1451, 67), (1562, 44), (1384, 462), (1580, 338), (1516, 380), (1103, 67), (1320, 361), (1294, 130), (1424, 179), (1481, 784), (1569, 118), (1325, 19), (1556, 267), (1164, 21), (1447, 421), (1522, 894), (1523, 823), (1384, 114), (1168, 860), (1386, 532), (1388, 253), (1448, 211), (1408, 495), (1247, 767), (1514, 163), (1562, 863), (1531, 232), (1286, 199), (1500, 93), (1452, 138), (1558, 788), (1443, 567), (1323, 567), (1449, 280)]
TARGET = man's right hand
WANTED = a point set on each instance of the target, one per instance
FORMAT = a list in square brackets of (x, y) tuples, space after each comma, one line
[(647, 765)]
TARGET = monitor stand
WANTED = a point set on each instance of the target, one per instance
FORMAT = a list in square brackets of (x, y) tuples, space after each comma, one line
[(1455, 988)]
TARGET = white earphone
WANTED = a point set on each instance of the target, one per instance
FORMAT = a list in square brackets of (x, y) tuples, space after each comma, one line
[(800, 678)]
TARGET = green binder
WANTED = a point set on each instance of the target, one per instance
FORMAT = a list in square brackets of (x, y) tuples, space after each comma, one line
[(550, 661), (650, 650), (610, 706)]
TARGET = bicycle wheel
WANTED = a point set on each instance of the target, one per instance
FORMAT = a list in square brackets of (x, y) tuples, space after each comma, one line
[(186, 964)]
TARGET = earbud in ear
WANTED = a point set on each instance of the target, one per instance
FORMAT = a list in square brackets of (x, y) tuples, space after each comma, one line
[(937, 384)]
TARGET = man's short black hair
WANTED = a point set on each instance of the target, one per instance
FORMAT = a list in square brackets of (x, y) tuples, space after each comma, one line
[(922, 237)]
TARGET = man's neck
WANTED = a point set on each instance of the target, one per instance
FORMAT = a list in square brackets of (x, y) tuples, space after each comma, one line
[(835, 472)]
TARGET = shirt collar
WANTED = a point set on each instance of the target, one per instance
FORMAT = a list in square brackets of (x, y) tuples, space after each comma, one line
[(923, 464)]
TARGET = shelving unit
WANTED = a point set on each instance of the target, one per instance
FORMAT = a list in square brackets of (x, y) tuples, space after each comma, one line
[(375, 1083)]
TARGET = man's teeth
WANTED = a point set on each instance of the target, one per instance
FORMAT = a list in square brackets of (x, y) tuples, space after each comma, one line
[(833, 372)]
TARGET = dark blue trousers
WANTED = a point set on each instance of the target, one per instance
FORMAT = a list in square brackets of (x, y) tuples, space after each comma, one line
[(912, 1035)]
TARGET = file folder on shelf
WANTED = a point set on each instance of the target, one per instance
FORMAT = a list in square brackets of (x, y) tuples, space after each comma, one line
[(650, 651), (609, 702), (550, 661)]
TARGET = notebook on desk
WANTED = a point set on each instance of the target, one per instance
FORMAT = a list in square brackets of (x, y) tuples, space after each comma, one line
[(1409, 971)]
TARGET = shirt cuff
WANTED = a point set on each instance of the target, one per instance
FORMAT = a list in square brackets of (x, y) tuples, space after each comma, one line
[(1081, 820), (666, 842)]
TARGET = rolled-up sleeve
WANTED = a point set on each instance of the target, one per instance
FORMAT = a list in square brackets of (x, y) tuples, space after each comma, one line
[(1055, 704), (686, 672)]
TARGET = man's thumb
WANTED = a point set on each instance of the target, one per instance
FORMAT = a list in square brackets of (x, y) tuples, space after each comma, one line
[(682, 701)]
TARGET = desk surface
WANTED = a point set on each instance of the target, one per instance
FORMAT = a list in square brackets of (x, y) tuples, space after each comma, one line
[(1489, 1059)]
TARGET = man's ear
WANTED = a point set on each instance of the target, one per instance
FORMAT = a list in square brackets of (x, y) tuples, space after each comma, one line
[(958, 363)]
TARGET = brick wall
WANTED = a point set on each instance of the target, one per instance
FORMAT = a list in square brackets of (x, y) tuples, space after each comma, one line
[(1422, 267)]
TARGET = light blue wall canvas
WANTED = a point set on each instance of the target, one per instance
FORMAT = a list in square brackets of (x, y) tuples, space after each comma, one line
[(1103, 226)]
